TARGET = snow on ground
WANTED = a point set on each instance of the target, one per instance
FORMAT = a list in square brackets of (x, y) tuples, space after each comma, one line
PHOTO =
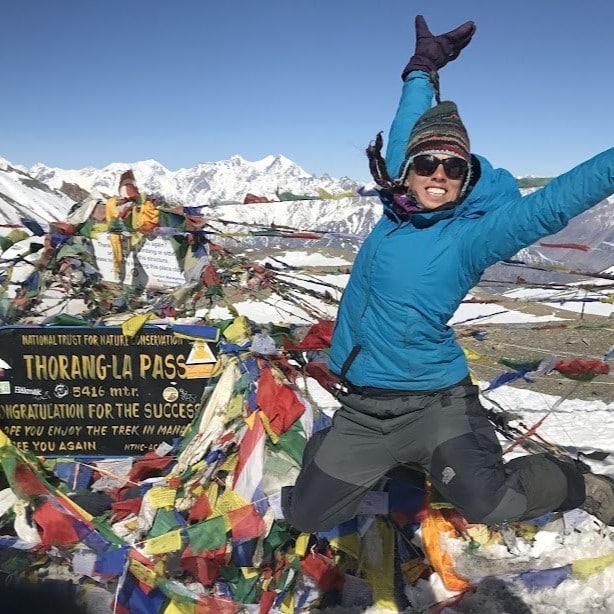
[(275, 309), (580, 426), (587, 301), (306, 259), (491, 313)]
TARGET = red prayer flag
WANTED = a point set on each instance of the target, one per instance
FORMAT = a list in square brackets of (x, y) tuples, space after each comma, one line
[(200, 510), (122, 509), (323, 571), (278, 402), (149, 465), (210, 276), (321, 373), (216, 605), (580, 246), (205, 566), (267, 598), (318, 337), (582, 369), (57, 528), (246, 523), (27, 483), (254, 198)]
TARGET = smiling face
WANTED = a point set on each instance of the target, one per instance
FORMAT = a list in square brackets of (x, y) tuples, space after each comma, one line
[(435, 190)]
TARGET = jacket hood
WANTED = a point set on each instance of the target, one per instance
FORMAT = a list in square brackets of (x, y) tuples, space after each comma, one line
[(492, 187)]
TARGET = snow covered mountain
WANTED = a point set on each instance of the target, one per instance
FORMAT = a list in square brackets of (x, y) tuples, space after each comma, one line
[(203, 184), (23, 196), (221, 186)]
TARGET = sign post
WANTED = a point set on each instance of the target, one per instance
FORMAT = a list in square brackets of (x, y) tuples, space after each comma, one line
[(95, 392)]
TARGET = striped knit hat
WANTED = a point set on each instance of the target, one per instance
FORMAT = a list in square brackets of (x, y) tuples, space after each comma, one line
[(439, 130)]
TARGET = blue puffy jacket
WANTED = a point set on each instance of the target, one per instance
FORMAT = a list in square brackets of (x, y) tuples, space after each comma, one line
[(410, 276)]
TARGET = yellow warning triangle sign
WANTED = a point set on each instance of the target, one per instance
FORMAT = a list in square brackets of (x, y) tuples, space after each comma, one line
[(201, 353)]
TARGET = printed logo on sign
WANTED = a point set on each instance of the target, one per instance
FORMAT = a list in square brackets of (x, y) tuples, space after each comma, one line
[(61, 391), (5, 387), (35, 392), (170, 394)]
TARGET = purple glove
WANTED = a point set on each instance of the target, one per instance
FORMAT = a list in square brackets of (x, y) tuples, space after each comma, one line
[(433, 52)]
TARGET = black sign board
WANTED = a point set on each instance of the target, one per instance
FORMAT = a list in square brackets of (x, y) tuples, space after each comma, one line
[(76, 391)]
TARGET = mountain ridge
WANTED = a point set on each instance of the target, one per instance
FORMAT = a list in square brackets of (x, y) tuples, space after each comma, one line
[(219, 188), (203, 184)]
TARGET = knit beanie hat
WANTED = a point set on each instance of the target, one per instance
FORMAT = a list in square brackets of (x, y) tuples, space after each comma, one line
[(439, 130)]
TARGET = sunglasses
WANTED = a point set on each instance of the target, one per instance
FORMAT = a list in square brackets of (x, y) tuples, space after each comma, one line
[(425, 165)]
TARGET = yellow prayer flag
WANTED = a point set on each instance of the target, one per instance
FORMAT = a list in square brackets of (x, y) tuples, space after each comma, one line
[(249, 572), (212, 493), (234, 409), (230, 463), (470, 354), (168, 542), (4, 440), (350, 544), (227, 502), (527, 531), (98, 229), (161, 496), (479, 533), (302, 541), (133, 325), (142, 573), (287, 606), (587, 567), (111, 209), (267, 427), (175, 607), (238, 330), (381, 577), (413, 569)]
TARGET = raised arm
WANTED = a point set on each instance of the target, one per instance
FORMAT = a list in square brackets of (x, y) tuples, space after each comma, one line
[(416, 98), (421, 82)]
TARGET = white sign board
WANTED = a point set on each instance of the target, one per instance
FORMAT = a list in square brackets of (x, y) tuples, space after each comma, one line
[(152, 264)]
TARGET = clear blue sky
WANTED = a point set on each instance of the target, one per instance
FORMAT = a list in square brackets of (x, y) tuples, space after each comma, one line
[(86, 83)]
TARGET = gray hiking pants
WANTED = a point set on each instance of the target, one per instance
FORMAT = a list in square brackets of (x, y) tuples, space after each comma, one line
[(447, 434)]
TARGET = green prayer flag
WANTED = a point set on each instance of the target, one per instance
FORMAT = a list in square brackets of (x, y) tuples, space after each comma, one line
[(176, 591), (243, 589), (165, 521), (5, 243), (18, 562), (520, 363), (102, 526), (292, 442), (278, 535), (207, 535)]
